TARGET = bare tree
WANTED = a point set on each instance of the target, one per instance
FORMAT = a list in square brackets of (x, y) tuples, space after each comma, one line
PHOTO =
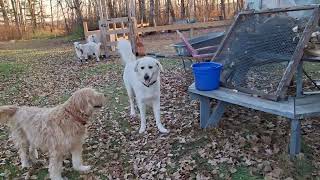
[(142, 5), (16, 19), (223, 9), (64, 16), (51, 15), (170, 11), (4, 13), (182, 10), (152, 20), (32, 12)]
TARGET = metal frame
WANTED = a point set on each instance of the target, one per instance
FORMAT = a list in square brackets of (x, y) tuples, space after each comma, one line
[(296, 57)]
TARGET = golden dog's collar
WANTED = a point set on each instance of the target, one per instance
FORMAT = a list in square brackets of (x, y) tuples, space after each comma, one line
[(150, 83), (76, 117)]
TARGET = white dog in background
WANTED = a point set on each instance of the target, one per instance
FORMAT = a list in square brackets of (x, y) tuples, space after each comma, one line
[(59, 130), (83, 51), (93, 38), (141, 78)]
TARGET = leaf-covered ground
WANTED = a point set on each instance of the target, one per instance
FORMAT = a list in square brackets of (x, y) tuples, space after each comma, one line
[(246, 145)]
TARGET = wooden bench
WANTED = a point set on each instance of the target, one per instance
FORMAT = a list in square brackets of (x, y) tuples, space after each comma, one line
[(294, 108)]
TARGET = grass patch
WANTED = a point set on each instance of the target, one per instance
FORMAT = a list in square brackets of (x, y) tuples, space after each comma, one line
[(202, 163), (42, 174), (180, 150), (300, 167), (101, 69), (9, 171), (46, 34), (243, 173), (10, 69), (3, 135)]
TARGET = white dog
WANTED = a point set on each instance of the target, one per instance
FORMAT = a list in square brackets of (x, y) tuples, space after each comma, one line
[(83, 51), (59, 130), (142, 78), (93, 38)]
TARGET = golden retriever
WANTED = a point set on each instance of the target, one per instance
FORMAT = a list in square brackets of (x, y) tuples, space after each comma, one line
[(59, 130)]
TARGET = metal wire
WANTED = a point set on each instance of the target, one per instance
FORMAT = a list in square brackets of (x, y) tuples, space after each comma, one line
[(257, 51)]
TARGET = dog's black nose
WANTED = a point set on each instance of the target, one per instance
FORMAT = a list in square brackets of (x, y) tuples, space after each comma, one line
[(146, 77)]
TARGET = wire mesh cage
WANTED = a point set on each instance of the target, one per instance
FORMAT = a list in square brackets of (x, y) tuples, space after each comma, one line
[(261, 51)]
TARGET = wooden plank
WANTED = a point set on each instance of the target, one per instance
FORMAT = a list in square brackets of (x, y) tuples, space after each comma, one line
[(104, 38), (85, 29), (184, 26), (216, 115), (92, 32), (299, 80), (297, 55), (116, 20), (282, 108), (113, 43), (117, 31)]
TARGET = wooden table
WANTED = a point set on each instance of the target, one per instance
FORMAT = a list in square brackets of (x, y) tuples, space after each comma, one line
[(294, 108)]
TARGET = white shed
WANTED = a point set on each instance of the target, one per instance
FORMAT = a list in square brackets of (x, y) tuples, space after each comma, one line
[(269, 4)]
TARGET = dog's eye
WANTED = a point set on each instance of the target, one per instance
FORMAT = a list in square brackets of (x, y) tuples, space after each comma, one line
[(142, 67), (150, 67)]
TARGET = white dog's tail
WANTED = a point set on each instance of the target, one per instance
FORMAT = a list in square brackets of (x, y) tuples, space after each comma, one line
[(125, 51), (6, 112)]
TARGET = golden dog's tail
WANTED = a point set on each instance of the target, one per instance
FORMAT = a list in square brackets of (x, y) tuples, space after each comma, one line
[(6, 112)]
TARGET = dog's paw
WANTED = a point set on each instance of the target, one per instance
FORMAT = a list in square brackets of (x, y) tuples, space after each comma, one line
[(25, 164), (133, 116), (142, 130), (83, 168), (163, 130)]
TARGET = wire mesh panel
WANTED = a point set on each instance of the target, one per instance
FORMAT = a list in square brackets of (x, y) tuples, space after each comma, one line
[(261, 50)]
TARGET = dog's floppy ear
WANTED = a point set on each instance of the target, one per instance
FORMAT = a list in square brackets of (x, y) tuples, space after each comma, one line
[(160, 66), (136, 67)]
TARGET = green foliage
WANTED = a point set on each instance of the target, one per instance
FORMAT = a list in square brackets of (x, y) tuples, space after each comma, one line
[(243, 173), (76, 34), (8, 69)]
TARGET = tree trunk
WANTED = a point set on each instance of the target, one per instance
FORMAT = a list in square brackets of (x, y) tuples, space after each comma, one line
[(170, 12), (41, 13), (4, 13), (21, 16), (51, 14), (77, 7), (79, 21), (223, 9), (157, 11), (152, 21), (64, 16), (142, 5), (182, 10), (111, 9), (14, 9), (32, 14)]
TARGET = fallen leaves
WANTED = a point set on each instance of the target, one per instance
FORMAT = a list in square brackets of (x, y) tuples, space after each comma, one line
[(245, 138)]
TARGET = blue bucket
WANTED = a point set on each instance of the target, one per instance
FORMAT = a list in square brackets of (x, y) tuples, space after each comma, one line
[(207, 75)]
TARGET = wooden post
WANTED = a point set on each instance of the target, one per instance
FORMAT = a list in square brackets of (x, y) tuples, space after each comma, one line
[(295, 137), (299, 80), (216, 115), (85, 29), (204, 111)]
